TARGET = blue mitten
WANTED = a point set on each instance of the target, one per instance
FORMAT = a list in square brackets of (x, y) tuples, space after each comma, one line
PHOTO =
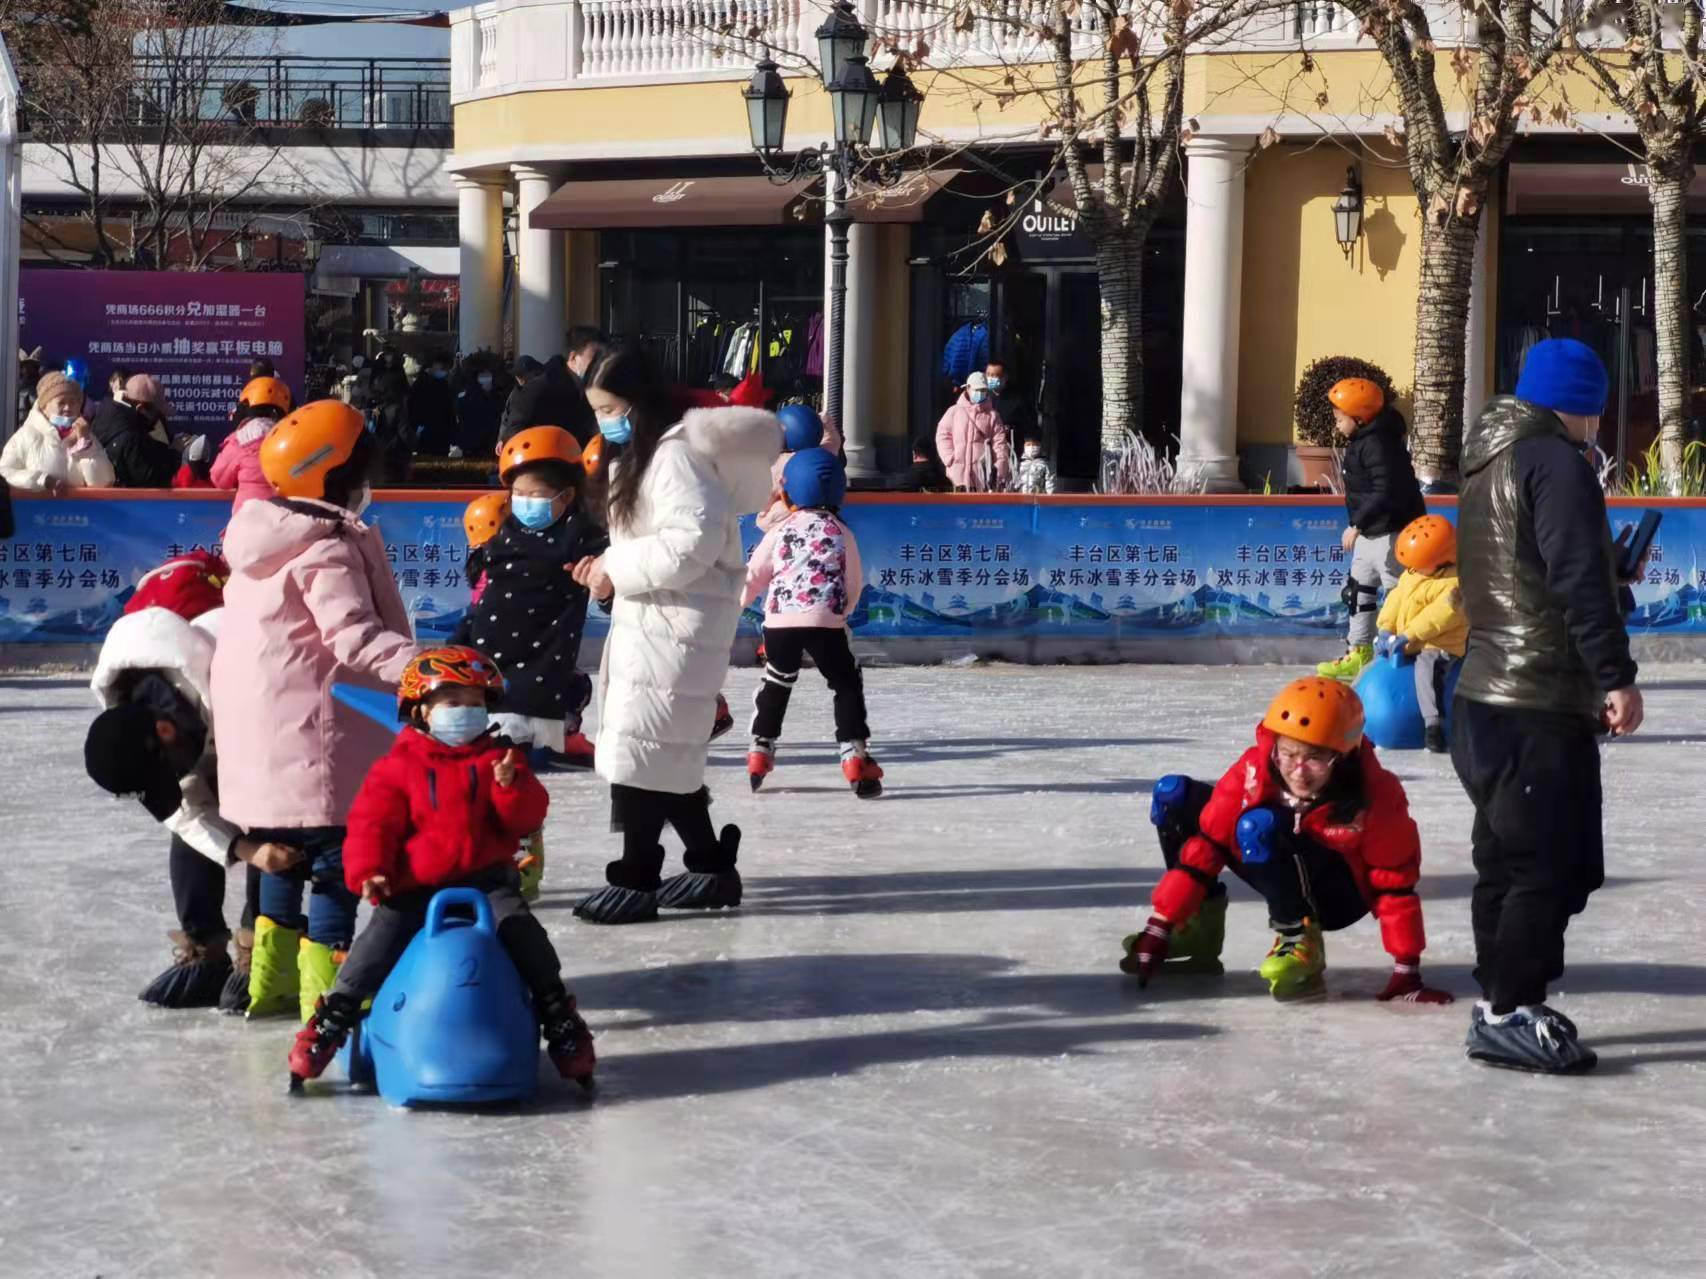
[(1257, 835)]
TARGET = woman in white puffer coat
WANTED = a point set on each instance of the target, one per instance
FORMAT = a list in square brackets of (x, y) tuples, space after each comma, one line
[(674, 572), (54, 451)]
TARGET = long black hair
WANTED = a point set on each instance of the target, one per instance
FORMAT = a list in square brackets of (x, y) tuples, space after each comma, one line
[(628, 374)]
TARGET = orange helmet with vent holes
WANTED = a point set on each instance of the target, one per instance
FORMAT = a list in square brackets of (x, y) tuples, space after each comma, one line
[(1322, 712), (438, 668), (306, 446), (484, 517), (592, 456), (1359, 398), (1426, 543), (537, 444), (265, 392)]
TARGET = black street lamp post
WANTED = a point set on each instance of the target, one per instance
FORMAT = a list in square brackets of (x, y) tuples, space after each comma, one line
[(856, 103)]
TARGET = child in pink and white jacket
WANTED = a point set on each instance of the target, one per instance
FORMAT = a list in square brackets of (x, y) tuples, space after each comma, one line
[(810, 565)]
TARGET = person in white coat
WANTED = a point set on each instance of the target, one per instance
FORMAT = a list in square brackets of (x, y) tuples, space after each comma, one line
[(55, 450), (673, 575)]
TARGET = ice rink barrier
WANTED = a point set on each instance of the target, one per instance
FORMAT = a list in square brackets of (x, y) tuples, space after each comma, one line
[(1029, 579)]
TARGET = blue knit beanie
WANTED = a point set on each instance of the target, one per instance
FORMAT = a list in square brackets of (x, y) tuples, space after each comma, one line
[(1564, 375)]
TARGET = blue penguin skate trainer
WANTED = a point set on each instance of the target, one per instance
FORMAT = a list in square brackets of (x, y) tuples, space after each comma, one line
[(1392, 713), (453, 1024)]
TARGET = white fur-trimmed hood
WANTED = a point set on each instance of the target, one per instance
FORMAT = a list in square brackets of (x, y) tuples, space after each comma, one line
[(158, 639), (741, 444)]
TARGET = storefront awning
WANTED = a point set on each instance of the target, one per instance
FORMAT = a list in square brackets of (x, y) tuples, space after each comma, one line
[(673, 202), (905, 202)]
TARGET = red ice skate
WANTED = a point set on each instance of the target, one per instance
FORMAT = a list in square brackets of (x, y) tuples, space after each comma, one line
[(862, 772), (577, 751), (318, 1041), (760, 761)]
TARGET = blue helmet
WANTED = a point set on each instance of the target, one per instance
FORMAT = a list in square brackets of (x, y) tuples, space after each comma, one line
[(814, 478), (78, 372), (801, 427)]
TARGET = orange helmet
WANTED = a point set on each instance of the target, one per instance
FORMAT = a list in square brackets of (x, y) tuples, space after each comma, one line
[(1322, 712), (438, 668), (309, 443), (537, 444), (1426, 543), (592, 456), (266, 392), (1359, 398), (484, 516)]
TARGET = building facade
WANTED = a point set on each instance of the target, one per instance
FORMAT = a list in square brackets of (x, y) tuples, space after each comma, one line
[(610, 139)]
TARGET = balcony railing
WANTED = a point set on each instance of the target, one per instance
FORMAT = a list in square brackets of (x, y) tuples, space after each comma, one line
[(299, 93), (510, 45)]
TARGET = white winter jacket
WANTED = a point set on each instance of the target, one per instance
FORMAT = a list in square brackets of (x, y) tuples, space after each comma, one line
[(158, 640), (35, 454), (678, 573)]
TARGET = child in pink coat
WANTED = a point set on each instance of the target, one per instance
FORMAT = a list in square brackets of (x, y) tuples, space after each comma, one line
[(238, 465), (809, 563), (310, 603)]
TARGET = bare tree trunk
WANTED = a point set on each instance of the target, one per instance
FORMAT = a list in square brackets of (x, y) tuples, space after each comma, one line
[(1442, 325), (1119, 261), (1667, 186)]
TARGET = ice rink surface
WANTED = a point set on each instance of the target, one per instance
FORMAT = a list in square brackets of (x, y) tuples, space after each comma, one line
[(910, 1053)]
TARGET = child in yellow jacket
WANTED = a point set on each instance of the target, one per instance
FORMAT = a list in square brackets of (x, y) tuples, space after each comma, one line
[(1423, 615)]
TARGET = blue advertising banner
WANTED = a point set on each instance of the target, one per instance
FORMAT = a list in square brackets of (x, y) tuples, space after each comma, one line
[(976, 570)]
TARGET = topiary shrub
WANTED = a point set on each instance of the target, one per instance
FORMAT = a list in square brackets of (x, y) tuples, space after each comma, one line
[(1314, 415)]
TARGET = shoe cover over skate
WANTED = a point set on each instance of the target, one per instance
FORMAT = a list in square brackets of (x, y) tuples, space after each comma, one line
[(614, 904), (710, 881), (196, 979), (1533, 1038)]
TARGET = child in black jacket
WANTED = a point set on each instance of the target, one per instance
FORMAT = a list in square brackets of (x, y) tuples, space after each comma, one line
[(1381, 497)]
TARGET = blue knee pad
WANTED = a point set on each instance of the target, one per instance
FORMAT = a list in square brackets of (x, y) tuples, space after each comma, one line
[(1257, 834), (1164, 801)]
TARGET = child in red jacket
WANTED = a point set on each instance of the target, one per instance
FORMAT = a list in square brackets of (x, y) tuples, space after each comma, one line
[(1309, 819), (447, 807)]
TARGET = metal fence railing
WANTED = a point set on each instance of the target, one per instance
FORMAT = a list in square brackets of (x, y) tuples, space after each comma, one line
[(292, 92)]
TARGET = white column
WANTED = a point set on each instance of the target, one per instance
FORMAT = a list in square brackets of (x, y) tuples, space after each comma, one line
[(1475, 388), (539, 274), (859, 354), (1214, 279), (480, 222)]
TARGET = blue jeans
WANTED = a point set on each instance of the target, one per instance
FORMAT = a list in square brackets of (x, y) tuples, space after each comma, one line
[(331, 905)]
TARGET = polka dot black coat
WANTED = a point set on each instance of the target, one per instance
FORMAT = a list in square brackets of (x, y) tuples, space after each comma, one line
[(531, 616)]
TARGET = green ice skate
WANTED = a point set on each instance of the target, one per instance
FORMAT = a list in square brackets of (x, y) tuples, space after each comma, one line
[(1348, 667), (273, 980), (317, 968), (531, 863), (1194, 947), (1296, 966)]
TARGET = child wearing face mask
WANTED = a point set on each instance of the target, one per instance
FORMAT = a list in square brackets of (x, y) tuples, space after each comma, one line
[(1310, 820), (1035, 474), (311, 603), (445, 809), (531, 614), (54, 450)]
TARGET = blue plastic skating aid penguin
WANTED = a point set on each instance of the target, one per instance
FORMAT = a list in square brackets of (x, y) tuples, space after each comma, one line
[(453, 1023), (1392, 714)]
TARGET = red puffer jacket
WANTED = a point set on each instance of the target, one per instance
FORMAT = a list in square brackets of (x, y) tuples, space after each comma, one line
[(1379, 842), (430, 814)]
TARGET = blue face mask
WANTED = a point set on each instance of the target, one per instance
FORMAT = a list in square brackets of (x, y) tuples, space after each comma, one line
[(995, 384), (533, 512), (62, 421), (977, 397), (457, 725), (618, 430)]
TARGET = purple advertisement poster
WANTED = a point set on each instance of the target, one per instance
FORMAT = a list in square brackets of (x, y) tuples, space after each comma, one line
[(195, 331)]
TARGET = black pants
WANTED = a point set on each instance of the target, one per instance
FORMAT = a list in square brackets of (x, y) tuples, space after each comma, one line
[(198, 893), (1533, 777), (784, 647), (641, 816), (1303, 879), (396, 920)]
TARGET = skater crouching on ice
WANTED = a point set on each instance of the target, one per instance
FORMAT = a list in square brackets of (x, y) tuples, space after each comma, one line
[(1381, 497), (154, 741), (809, 565), (1310, 820), (311, 603), (1548, 669), (674, 570), (447, 808), (1423, 616)]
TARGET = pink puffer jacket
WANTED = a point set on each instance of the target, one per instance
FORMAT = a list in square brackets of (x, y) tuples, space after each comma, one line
[(311, 602), (238, 465), (973, 443)]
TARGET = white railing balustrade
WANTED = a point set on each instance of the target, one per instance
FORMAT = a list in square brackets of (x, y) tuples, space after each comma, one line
[(645, 38)]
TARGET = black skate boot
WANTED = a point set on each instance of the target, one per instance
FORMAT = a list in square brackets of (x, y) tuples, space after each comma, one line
[(631, 896), (1433, 737), (568, 1042), (234, 999), (196, 978), (710, 881), (1533, 1038), (335, 1015)]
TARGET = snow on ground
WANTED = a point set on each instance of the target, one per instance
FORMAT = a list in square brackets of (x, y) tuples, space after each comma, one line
[(911, 1052)]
